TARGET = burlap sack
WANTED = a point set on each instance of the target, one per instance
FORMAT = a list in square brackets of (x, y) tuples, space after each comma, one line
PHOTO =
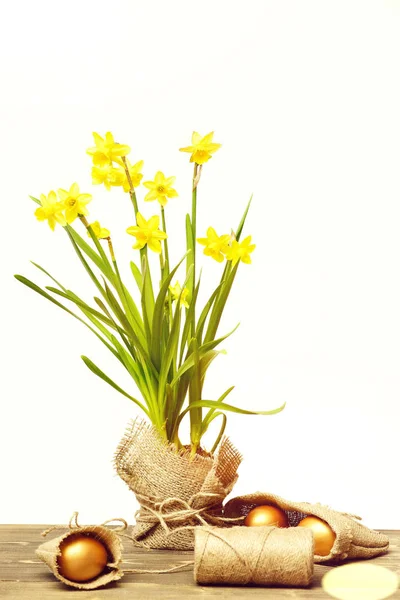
[(173, 489), (353, 540), (50, 551)]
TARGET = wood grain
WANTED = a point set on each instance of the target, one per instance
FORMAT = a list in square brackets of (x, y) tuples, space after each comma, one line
[(22, 575)]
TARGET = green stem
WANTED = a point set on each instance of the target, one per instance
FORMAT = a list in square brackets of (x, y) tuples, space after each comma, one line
[(196, 415), (166, 265), (132, 192), (196, 174)]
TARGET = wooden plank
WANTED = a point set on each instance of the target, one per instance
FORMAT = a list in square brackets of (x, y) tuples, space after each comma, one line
[(22, 575)]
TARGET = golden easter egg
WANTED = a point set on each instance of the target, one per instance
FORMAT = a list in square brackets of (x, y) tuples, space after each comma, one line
[(82, 558), (266, 515), (324, 537)]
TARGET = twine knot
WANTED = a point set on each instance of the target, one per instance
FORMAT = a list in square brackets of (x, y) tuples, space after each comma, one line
[(178, 511), (73, 524)]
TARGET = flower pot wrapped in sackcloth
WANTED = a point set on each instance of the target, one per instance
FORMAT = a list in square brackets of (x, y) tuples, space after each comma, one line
[(50, 552), (175, 491), (353, 540)]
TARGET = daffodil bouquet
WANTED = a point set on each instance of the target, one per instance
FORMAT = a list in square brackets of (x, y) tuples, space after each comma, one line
[(164, 340)]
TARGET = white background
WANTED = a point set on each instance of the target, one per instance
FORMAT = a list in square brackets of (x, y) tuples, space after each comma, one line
[(305, 97)]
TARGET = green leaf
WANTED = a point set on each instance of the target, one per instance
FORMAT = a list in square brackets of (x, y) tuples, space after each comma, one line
[(68, 295), (188, 322), (41, 292), (95, 369), (243, 220), (209, 416), (204, 314), (219, 305), (221, 431), (195, 395), (124, 336), (48, 275), (169, 354), (117, 310), (35, 200), (228, 408), (214, 343), (84, 262), (203, 350), (137, 275), (206, 361), (128, 329), (189, 363), (104, 267), (156, 330), (129, 364), (147, 300), (103, 307)]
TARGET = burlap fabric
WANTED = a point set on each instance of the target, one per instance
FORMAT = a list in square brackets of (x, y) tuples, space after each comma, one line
[(50, 551), (174, 490), (254, 555), (353, 540)]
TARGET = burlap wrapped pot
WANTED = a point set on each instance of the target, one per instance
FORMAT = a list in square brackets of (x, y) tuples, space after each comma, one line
[(50, 551), (353, 540), (174, 490)]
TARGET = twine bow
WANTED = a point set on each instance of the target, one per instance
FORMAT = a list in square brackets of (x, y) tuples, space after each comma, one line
[(73, 524), (155, 511)]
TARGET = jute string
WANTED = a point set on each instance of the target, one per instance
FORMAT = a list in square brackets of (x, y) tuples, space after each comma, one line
[(254, 555), (154, 510), (74, 524)]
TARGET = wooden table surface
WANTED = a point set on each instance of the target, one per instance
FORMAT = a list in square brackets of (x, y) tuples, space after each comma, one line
[(23, 575)]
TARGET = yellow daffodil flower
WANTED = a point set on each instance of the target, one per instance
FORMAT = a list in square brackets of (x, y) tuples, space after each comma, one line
[(176, 293), (240, 251), (108, 175), (202, 148), (106, 150), (51, 210), (215, 245), (74, 202), (160, 189), (100, 232), (135, 174), (147, 232)]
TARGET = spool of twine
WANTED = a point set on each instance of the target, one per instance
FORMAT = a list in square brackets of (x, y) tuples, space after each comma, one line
[(254, 555)]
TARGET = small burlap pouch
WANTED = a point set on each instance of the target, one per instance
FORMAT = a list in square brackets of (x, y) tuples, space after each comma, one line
[(174, 490), (50, 551), (353, 540)]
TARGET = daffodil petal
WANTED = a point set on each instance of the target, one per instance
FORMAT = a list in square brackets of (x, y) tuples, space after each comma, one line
[(153, 222), (154, 245)]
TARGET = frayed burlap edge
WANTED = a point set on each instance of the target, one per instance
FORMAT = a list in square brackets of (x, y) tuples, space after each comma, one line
[(50, 551), (175, 490), (353, 540)]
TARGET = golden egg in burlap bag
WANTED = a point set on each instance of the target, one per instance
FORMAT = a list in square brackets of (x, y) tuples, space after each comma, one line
[(353, 540), (51, 552)]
